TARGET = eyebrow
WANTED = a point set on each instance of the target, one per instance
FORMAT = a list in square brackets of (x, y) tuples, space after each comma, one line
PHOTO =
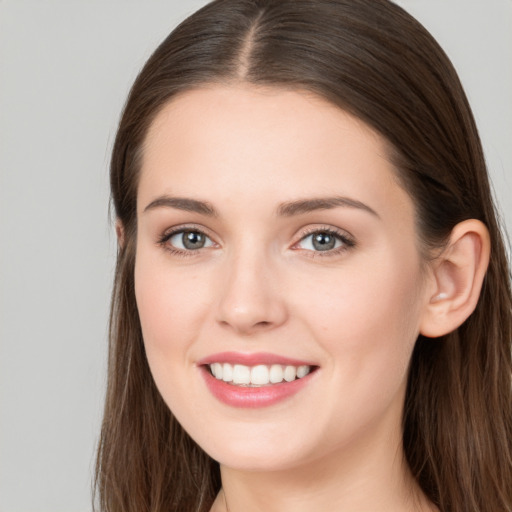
[(183, 203), (287, 209), (302, 206)]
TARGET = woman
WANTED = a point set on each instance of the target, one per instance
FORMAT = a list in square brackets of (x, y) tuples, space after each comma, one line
[(312, 305)]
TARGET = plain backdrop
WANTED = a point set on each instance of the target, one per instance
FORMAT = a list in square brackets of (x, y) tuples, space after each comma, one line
[(65, 69)]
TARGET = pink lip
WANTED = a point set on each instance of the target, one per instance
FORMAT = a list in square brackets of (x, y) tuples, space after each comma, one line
[(251, 397), (264, 396), (251, 359)]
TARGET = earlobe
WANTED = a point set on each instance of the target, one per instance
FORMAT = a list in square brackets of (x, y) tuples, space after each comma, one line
[(120, 233), (457, 277)]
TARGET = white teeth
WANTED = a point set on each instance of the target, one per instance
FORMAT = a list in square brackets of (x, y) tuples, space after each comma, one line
[(302, 371), (290, 372), (259, 375), (227, 373), (241, 374), (217, 370), (276, 373)]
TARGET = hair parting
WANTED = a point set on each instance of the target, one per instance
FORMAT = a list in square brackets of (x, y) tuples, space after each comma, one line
[(373, 60)]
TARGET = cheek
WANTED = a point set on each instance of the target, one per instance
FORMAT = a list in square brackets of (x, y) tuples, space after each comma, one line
[(367, 325), (170, 316), (368, 320), (169, 307)]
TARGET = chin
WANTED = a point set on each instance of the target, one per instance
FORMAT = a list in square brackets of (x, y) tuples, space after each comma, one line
[(256, 461), (251, 452)]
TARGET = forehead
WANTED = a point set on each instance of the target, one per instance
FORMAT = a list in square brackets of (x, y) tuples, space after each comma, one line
[(250, 142), (294, 113)]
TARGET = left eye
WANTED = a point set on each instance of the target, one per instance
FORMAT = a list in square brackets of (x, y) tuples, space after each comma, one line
[(189, 240), (322, 241)]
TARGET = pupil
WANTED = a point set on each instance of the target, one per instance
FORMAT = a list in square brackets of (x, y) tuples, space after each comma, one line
[(323, 241), (193, 240)]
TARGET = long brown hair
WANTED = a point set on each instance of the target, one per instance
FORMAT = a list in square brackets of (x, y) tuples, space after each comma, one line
[(372, 59)]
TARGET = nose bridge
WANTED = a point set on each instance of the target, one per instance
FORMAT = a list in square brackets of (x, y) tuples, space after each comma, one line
[(250, 299)]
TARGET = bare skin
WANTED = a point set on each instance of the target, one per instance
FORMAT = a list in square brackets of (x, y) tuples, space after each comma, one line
[(228, 165)]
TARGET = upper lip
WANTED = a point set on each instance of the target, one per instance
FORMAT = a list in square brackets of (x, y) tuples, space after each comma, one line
[(251, 359)]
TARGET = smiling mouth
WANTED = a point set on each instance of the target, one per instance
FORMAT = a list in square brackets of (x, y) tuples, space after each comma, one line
[(258, 375)]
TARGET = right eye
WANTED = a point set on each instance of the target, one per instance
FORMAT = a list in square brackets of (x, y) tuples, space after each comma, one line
[(187, 240)]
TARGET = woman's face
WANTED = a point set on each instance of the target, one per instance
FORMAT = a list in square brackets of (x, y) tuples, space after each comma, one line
[(274, 238)]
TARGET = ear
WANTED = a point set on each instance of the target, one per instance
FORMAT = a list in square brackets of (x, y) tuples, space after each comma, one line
[(120, 233), (457, 277)]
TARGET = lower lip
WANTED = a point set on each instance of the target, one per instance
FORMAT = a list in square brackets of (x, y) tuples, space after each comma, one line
[(252, 397)]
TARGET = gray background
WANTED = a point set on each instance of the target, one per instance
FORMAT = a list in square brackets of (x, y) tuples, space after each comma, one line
[(65, 69)]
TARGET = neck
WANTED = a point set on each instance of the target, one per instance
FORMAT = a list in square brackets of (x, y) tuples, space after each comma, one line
[(370, 475)]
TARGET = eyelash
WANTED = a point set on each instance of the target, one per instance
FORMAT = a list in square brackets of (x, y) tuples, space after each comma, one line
[(175, 231), (346, 240)]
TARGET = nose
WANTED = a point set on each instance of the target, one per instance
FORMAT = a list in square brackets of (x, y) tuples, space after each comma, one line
[(251, 299)]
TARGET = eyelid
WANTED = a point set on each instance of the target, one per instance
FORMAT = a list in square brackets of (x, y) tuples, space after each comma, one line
[(185, 227), (348, 241), (164, 238)]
